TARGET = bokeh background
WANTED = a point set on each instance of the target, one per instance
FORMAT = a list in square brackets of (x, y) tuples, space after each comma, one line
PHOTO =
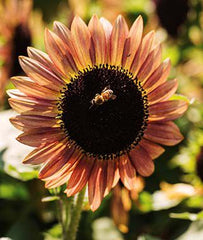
[(169, 204)]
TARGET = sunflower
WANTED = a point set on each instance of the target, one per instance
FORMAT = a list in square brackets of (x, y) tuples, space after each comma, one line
[(15, 36), (96, 107), (167, 8)]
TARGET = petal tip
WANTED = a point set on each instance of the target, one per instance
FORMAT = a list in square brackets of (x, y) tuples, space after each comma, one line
[(56, 23), (120, 19), (21, 58), (9, 92), (76, 20), (95, 16), (167, 60), (47, 33), (140, 19), (94, 207)]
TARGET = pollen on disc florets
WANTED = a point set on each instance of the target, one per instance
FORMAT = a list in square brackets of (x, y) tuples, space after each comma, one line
[(112, 128)]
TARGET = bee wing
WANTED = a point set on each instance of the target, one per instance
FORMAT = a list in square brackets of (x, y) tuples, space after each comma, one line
[(106, 88), (91, 106), (113, 97)]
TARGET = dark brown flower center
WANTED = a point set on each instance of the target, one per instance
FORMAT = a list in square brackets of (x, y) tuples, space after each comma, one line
[(21, 40), (104, 111)]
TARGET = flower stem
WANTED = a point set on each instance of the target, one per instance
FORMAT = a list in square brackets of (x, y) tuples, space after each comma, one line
[(68, 205), (75, 216), (60, 204)]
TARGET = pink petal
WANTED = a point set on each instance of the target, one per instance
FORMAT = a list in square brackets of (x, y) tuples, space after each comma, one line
[(142, 161), (117, 40), (55, 165), (41, 74), (154, 150), (151, 63), (81, 39), (112, 175), (44, 59), (107, 26), (127, 172), (65, 35), (163, 92), (45, 153), (97, 184), (132, 43), (32, 89), (99, 48), (64, 174), (158, 77), (142, 53), (116, 173), (29, 106), (165, 133), (39, 56), (80, 176), (25, 123), (40, 136), (58, 181), (168, 110), (59, 54)]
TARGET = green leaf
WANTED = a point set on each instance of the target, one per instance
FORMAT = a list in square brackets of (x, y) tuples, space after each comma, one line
[(173, 53), (194, 202), (187, 216), (135, 6), (181, 97), (145, 201), (50, 198), (13, 192), (54, 233), (22, 175)]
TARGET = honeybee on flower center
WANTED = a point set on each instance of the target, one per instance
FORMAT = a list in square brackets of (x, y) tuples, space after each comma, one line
[(106, 95)]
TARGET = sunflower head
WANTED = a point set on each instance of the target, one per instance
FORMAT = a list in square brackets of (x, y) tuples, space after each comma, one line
[(167, 8), (104, 125), (16, 36), (97, 106)]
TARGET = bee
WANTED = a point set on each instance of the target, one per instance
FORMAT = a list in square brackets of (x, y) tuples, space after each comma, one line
[(106, 95)]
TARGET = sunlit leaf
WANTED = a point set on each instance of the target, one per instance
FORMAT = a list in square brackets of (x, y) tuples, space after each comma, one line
[(13, 192), (194, 202), (145, 201), (54, 233), (173, 52), (181, 97), (50, 198), (187, 216)]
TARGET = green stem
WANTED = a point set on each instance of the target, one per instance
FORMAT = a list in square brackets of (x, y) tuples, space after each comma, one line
[(68, 205), (75, 216), (60, 206)]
